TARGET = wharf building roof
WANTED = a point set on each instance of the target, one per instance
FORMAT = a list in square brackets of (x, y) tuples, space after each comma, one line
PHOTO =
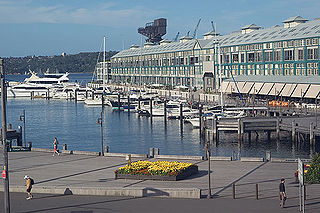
[(294, 28)]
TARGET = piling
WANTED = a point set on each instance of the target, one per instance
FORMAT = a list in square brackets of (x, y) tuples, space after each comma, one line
[(215, 130), (48, 93), (249, 136), (181, 113), (312, 137), (151, 107), (92, 95), (240, 129), (139, 102), (86, 94), (128, 103), (257, 191), (119, 102), (293, 131), (278, 129), (200, 119), (165, 109), (76, 95)]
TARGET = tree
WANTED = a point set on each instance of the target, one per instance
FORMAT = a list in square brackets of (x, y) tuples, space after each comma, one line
[(313, 173)]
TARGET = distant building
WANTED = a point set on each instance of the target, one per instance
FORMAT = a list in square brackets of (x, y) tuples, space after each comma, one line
[(291, 50)]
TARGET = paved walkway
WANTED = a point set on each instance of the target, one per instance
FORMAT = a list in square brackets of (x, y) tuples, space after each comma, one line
[(94, 173)]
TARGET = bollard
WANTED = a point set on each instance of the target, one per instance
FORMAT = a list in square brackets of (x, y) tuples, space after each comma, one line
[(106, 149), (268, 155), (156, 151), (29, 145), (64, 147), (233, 191), (128, 159), (257, 192), (151, 152)]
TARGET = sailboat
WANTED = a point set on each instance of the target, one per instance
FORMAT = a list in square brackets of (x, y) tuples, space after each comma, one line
[(97, 101)]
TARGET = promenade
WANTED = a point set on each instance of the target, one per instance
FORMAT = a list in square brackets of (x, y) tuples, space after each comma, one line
[(94, 175)]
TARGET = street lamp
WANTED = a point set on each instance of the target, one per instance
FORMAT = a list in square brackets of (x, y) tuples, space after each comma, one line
[(23, 119), (100, 121)]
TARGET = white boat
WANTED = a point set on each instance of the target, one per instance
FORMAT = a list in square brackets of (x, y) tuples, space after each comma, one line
[(37, 86)]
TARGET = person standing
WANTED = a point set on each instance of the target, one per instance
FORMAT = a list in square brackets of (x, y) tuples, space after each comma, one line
[(283, 195), (55, 146), (30, 182)]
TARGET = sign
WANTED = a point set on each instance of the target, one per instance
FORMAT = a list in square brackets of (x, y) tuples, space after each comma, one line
[(300, 171), (4, 174)]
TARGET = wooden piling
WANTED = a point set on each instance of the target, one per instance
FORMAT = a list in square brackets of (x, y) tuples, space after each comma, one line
[(76, 95), (293, 131), (165, 110), (92, 95), (240, 129), (128, 103), (119, 102), (215, 130), (151, 107), (200, 119), (181, 113), (278, 129), (312, 137)]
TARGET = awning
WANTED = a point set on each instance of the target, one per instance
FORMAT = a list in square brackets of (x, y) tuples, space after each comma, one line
[(247, 87), (224, 86), (276, 89), (300, 90), (287, 90), (313, 91), (256, 88), (240, 86), (266, 89)]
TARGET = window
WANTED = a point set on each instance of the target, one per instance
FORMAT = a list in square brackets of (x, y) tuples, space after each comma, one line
[(258, 56), (300, 54), (191, 60), (268, 56), (181, 61), (242, 57), (208, 58), (288, 55), (312, 54), (250, 57), (277, 55), (235, 58)]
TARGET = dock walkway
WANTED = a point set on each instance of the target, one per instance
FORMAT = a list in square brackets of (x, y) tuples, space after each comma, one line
[(94, 175)]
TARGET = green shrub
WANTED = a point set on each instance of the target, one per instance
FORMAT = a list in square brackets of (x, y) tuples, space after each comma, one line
[(313, 174)]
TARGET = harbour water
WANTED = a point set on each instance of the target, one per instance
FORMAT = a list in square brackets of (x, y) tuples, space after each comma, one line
[(75, 124)]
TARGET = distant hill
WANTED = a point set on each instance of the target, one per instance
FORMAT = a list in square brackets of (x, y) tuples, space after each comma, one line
[(78, 63)]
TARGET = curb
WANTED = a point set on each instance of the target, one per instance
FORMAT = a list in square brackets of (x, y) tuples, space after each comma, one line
[(132, 192)]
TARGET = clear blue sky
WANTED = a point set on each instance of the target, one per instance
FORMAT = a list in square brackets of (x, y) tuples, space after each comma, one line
[(50, 27)]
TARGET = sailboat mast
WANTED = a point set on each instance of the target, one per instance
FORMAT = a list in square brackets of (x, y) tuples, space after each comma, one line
[(104, 64), (217, 46)]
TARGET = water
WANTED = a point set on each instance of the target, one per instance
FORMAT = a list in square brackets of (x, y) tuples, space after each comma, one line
[(75, 124)]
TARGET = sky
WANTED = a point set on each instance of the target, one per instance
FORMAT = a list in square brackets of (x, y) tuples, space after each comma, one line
[(51, 27)]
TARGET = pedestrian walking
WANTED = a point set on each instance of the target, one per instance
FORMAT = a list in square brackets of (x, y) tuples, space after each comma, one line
[(283, 195), (55, 146), (30, 182)]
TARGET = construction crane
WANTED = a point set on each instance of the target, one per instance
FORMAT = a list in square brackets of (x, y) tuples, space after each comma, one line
[(196, 29), (176, 38)]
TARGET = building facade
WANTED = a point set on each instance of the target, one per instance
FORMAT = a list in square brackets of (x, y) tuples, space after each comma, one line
[(288, 50)]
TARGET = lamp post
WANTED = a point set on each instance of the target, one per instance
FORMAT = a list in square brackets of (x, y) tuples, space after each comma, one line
[(100, 121), (23, 119), (5, 171)]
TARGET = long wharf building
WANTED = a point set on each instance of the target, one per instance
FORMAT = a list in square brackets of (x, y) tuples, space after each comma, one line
[(288, 50)]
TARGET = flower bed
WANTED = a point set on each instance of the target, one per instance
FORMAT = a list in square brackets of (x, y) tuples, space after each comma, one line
[(159, 170)]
